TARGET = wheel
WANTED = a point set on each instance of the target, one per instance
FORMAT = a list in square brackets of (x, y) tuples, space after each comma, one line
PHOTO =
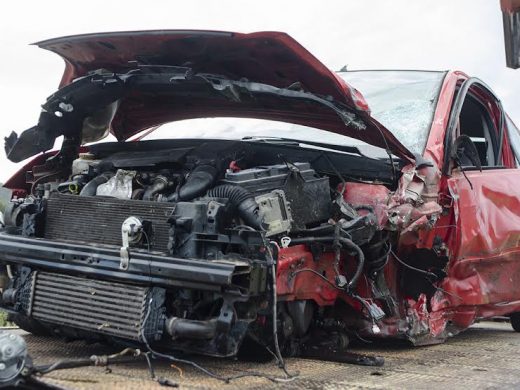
[(515, 321)]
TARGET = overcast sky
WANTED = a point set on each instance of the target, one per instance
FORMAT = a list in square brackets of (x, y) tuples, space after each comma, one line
[(410, 34)]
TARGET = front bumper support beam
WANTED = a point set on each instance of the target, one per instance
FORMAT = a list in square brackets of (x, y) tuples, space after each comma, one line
[(103, 262)]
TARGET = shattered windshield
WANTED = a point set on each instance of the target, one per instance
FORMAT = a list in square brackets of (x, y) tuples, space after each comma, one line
[(403, 101)]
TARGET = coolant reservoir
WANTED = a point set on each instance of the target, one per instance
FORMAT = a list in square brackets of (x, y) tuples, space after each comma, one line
[(83, 163)]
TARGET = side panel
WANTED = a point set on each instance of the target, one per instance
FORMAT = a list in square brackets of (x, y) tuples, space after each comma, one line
[(485, 267)]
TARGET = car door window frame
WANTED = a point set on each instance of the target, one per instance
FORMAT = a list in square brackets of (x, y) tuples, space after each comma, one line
[(466, 88), (477, 110)]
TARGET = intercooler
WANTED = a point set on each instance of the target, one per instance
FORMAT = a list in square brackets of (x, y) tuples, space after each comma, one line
[(93, 219), (99, 306)]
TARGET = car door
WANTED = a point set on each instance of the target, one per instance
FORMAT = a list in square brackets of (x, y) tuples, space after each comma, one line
[(484, 272)]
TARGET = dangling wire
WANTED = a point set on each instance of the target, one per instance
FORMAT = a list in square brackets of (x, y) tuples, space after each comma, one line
[(421, 271), (199, 367), (270, 259)]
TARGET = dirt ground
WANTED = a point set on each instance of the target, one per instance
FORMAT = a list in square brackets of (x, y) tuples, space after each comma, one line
[(484, 357)]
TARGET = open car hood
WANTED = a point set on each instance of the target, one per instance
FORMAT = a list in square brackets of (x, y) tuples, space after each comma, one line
[(137, 80)]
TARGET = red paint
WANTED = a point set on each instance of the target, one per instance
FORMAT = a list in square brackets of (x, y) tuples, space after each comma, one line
[(479, 231), (233, 165), (475, 230), (295, 284), (272, 58), (18, 180), (510, 5), (375, 195)]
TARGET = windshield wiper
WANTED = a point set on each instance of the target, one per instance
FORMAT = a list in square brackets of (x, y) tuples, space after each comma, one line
[(298, 142)]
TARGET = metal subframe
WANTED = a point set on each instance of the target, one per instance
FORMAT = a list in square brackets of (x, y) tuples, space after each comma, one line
[(104, 263)]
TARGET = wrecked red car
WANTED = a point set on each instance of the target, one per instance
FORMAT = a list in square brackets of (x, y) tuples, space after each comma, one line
[(389, 208)]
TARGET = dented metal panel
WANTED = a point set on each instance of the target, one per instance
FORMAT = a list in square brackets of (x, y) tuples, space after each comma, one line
[(419, 253)]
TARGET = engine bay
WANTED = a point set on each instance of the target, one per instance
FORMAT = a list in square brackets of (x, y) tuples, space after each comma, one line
[(218, 244)]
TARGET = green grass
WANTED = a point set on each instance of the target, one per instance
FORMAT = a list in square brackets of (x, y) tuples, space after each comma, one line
[(3, 319)]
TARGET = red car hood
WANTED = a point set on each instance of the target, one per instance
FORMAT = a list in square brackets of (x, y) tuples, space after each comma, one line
[(272, 58)]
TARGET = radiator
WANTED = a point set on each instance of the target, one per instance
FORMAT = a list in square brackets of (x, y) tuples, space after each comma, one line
[(99, 306), (93, 219)]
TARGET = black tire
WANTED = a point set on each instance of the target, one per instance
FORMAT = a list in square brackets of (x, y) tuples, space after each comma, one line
[(515, 321)]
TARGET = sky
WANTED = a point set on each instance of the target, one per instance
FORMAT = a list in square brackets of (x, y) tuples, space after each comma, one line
[(377, 34)]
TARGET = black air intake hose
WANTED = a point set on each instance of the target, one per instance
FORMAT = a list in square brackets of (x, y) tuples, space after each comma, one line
[(197, 183), (242, 199), (91, 187), (191, 329), (160, 183)]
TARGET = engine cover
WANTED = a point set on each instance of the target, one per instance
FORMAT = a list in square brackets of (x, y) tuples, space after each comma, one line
[(307, 193)]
